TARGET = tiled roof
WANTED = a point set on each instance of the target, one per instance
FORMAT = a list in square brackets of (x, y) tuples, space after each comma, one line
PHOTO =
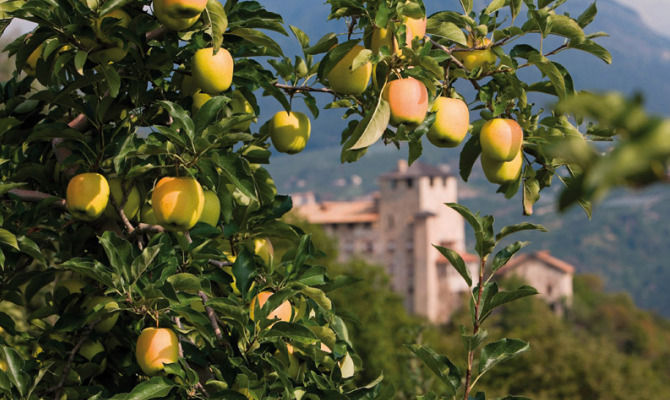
[(339, 212), (542, 256)]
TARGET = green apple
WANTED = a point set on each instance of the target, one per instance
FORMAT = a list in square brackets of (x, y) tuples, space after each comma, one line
[(132, 197), (502, 171), (147, 215), (344, 80), (213, 73), (212, 209), (476, 58), (289, 131), (240, 105), (105, 324), (87, 196), (452, 119)]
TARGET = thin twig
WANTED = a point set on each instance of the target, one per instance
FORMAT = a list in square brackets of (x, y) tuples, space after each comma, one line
[(148, 228), (212, 315), (296, 89), (220, 264), (66, 370), (198, 385)]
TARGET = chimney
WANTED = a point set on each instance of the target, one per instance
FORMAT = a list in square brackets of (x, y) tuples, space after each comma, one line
[(402, 166)]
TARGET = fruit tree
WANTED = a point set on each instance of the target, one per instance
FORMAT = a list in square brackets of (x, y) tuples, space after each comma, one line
[(137, 216)]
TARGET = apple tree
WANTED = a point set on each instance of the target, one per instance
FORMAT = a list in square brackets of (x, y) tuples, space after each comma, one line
[(138, 217)]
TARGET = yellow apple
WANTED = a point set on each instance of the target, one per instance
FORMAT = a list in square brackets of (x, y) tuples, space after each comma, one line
[(289, 131), (132, 197), (452, 119), (156, 347), (199, 100), (383, 37), (476, 58), (282, 312), (187, 85), (178, 15), (408, 99), (344, 80), (31, 62), (415, 28), (213, 73), (240, 105), (105, 324), (87, 196), (122, 19), (502, 171), (3, 366), (177, 202), (501, 139), (212, 209), (263, 248)]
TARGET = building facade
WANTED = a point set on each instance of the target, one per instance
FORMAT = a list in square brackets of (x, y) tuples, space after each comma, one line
[(398, 227)]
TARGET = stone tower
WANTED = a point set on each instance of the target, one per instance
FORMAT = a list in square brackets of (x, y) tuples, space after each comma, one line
[(413, 217)]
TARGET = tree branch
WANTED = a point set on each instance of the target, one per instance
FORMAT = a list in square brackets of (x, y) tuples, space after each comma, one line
[(35, 196), (66, 370), (212, 315), (296, 89)]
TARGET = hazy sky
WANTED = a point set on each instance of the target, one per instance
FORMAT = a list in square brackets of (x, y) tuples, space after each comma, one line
[(655, 13)]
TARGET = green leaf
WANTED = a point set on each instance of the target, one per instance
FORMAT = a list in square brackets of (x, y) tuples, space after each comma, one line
[(244, 269), (154, 388), (595, 49), (551, 71), (288, 330), (8, 238), (441, 366), (494, 6), (181, 118), (209, 113), (323, 45), (447, 30), (469, 154), (318, 296), (531, 194), (502, 257), (237, 172), (14, 372), (497, 352), (563, 25), (119, 253), (219, 19), (497, 299), (376, 126), (302, 37), (112, 79), (524, 226), (588, 15), (467, 5), (457, 262), (110, 5), (259, 38), (185, 282), (79, 61), (143, 261), (28, 246)]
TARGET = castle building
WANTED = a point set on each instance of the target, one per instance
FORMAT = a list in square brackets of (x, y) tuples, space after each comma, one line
[(397, 228)]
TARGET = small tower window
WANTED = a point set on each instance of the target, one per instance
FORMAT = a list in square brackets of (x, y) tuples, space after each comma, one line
[(431, 180), (410, 182)]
